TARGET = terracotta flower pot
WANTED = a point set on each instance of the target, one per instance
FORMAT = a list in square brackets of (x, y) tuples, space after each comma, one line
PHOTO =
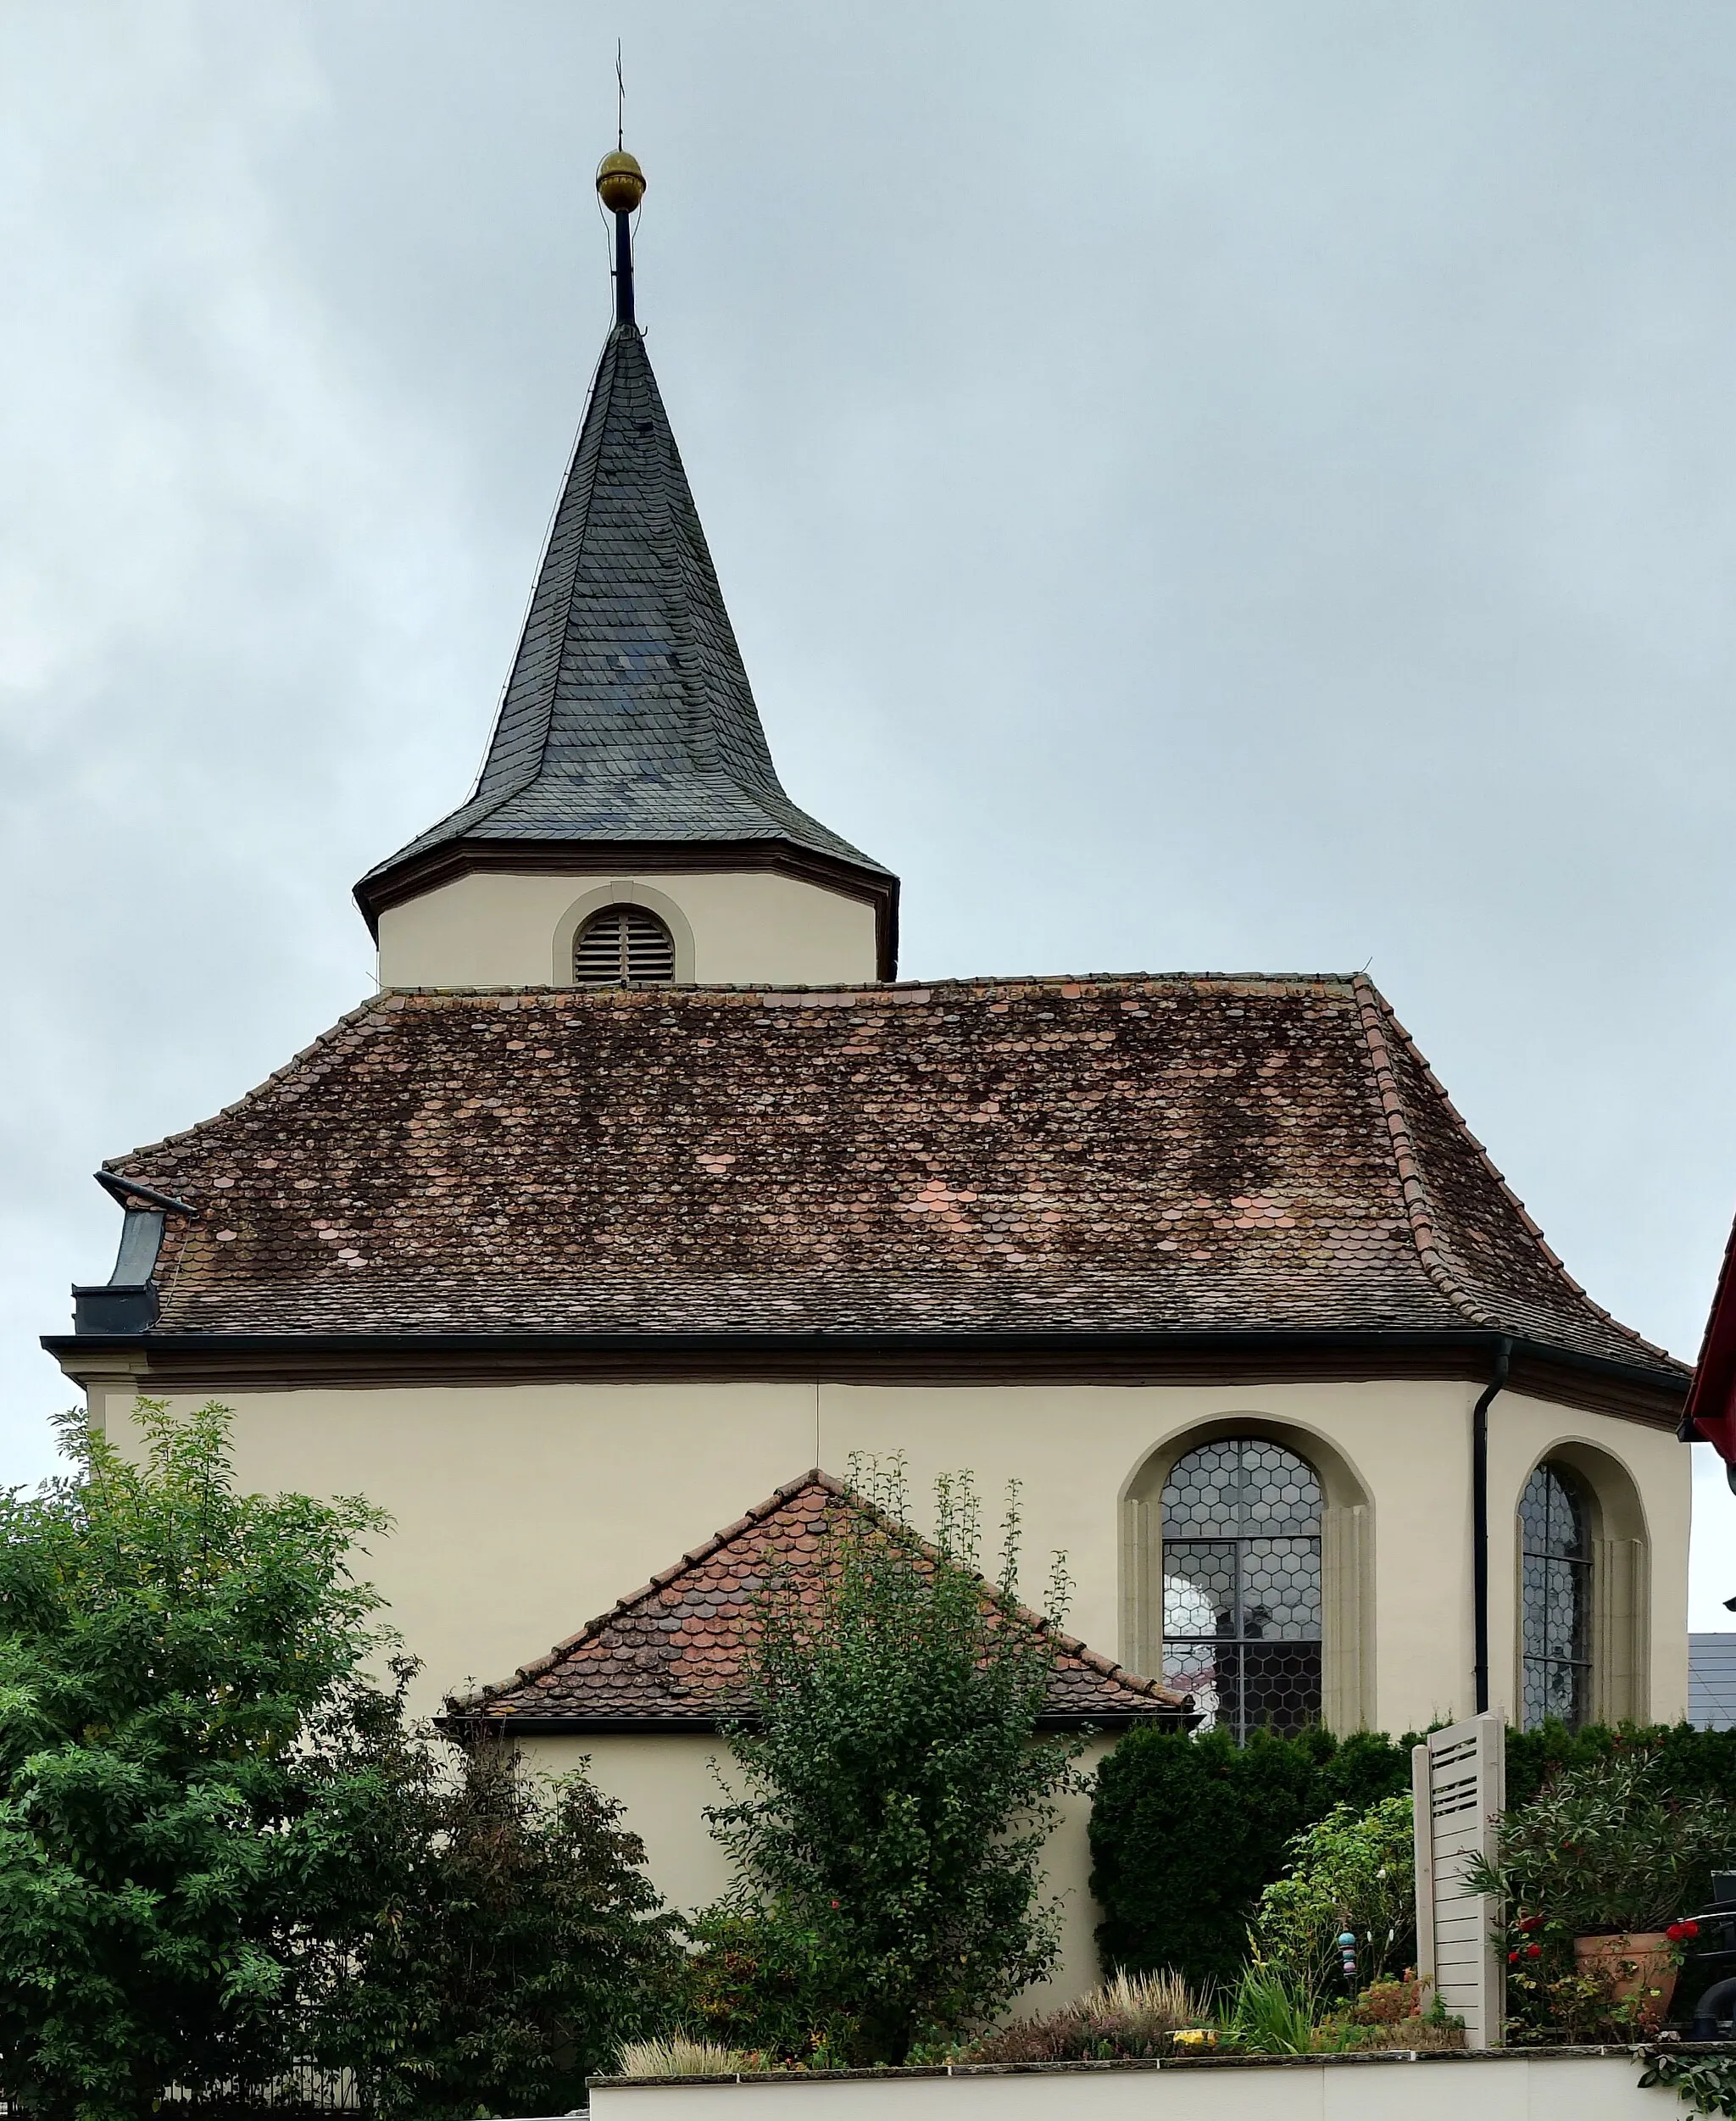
[(1638, 1963)]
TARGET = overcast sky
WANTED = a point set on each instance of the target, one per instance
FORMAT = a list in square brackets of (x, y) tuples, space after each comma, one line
[(1199, 488)]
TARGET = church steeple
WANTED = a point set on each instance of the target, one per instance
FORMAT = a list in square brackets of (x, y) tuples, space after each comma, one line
[(628, 743)]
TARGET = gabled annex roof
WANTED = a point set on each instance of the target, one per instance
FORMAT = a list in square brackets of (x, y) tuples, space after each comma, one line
[(628, 721), (672, 1655), (1087, 1164)]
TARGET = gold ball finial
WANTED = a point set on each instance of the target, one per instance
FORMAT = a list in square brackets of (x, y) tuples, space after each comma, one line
[(621, 183)]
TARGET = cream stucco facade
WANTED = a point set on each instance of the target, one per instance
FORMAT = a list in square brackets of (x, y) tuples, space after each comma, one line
[(495, 927), (666, 1782), (521, 1511)]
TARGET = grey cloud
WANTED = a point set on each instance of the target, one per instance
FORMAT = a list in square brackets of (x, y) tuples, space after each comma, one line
[(1242, 487)]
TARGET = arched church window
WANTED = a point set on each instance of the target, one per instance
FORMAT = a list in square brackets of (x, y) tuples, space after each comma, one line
[(623, 943), (1554, 1575), (1241, 1585)]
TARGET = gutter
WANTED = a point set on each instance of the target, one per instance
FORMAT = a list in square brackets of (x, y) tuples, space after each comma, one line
[(1479, 1524), (463, 1725), (807, 1345)]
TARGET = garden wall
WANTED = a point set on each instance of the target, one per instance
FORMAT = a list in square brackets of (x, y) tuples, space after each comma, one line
[(1571, 2084)]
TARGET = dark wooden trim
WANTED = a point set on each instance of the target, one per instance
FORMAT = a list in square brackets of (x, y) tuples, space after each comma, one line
[(442, 864), (174, 1362)]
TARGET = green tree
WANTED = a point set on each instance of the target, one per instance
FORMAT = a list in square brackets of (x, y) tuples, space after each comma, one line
[(163, 1643), (897, 1797), (509, 1940), (226, 1853)]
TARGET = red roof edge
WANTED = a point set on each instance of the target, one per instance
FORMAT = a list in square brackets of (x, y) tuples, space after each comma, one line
[(1710, 1413)]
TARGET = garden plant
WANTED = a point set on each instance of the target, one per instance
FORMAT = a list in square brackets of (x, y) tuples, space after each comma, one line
[(1187, 1833), (1605, 1847), (1352, 1871)]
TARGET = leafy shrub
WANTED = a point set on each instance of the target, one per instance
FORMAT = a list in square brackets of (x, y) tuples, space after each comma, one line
[(509, 1940), (1188, 1832), (226, 1854), (1391, 2014), (1706, 2083), (1607, 1845), (760, 1982), (1349, 1871), (1134, 2015), (1388, 2003), (165, 1643), (897, 1797)]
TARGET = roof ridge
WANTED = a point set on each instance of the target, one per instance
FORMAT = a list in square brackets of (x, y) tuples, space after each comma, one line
[(475, 808), (1385, 1017), (1413, 1185), (839, 1490), (870, 990), (333, 1036)]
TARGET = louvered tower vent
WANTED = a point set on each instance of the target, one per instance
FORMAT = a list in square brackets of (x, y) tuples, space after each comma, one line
[(623, 943)]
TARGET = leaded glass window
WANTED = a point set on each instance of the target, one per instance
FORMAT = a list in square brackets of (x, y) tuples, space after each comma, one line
[(1241, 1585), (1554, 1575)]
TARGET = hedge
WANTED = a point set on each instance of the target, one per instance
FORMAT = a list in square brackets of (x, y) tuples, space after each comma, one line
[(1689, 1761), (1185, 1833)]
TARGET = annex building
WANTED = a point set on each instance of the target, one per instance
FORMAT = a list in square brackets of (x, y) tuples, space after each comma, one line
[(644, 1193)]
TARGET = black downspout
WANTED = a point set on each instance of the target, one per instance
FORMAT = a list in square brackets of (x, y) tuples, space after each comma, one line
[(1479, 1524)]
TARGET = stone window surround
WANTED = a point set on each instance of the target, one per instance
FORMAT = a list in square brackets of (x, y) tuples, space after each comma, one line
[(624, 891), (1346, 1560), (1621, 1578)]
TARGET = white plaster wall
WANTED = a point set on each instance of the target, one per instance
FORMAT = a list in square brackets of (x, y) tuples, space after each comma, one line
[(1495, 2087), (493, 928), (522, 1510)]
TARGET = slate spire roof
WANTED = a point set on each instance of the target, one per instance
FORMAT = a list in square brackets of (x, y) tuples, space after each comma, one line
[(670, 1655), (628, 717)]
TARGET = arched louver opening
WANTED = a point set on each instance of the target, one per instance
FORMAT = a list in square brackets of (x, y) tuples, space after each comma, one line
[(623, 944)]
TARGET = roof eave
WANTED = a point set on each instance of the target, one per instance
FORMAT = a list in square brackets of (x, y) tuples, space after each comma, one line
[(464, 1724), (1638, 1390), (411, 875)]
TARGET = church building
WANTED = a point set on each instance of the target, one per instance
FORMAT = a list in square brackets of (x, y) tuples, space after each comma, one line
[(644, 1195)]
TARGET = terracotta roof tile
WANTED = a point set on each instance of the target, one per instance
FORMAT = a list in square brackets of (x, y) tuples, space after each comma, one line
[(672, 1653), (1084, 1155)]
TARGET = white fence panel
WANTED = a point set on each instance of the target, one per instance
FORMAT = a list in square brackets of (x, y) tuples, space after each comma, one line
[(1458, 1783)]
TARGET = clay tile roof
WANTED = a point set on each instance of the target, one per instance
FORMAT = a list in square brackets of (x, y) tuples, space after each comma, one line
[(1088, 1157), (628, 716), (670, 1655)]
